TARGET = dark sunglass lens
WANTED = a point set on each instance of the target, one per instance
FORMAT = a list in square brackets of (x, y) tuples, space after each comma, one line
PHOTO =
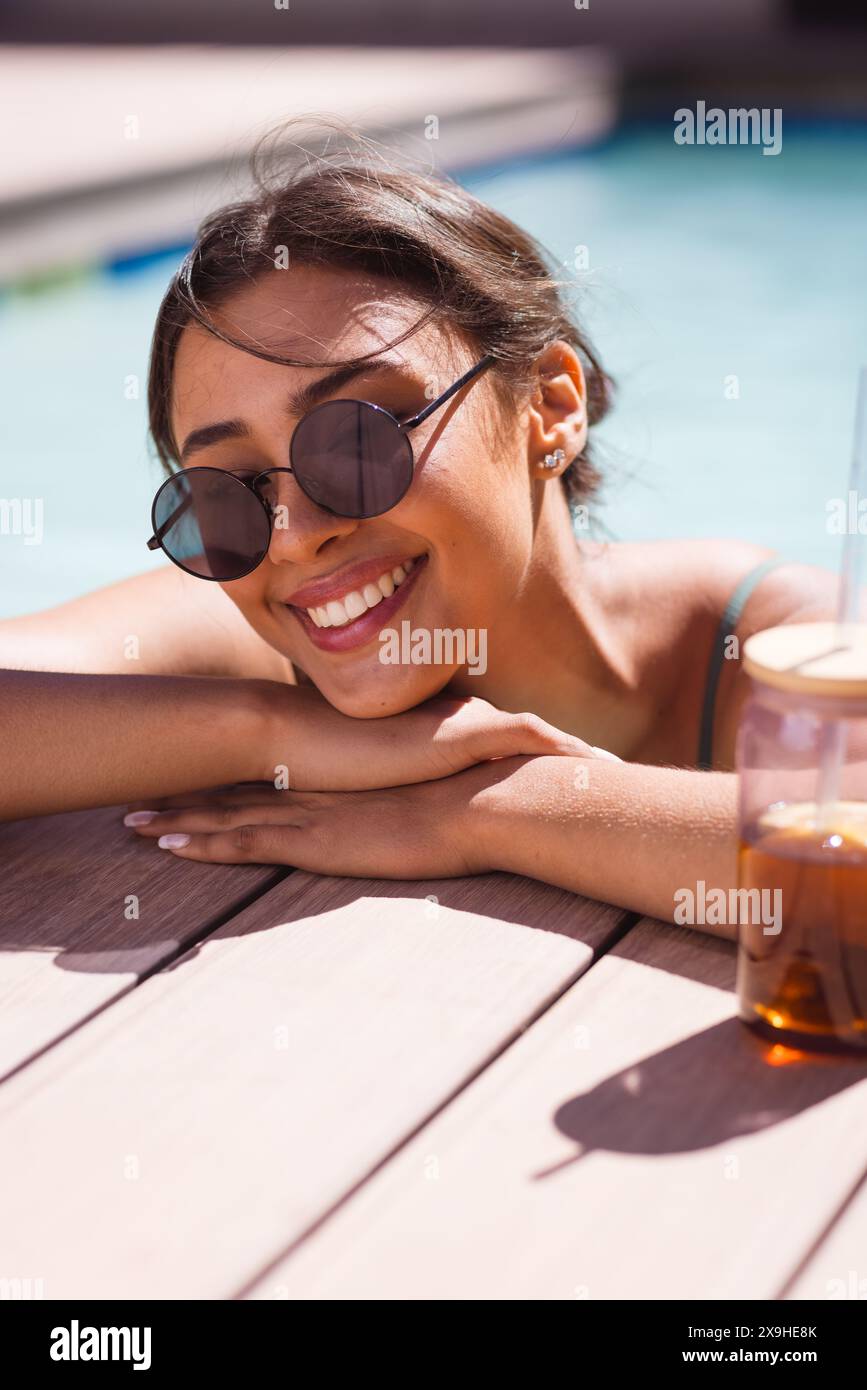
[(210, 524), (351, 458)]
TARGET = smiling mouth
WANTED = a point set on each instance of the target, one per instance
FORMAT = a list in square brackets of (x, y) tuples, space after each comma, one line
[(356, 617), (339, 612)]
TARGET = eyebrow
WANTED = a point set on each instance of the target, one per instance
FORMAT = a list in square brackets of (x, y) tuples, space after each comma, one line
[(306, 397), (299, 402), (213, 434)]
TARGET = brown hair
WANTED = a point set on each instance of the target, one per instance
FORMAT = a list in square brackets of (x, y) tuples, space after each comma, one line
[(470, 266)]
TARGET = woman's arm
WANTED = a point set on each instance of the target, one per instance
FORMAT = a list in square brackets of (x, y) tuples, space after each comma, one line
[(162, 623), (72, 741), (623, 833)]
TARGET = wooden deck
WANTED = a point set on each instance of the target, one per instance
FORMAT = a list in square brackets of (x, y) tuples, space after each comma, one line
[(245, 1082)]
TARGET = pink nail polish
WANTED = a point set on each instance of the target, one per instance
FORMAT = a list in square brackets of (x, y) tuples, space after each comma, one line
[(139, 817), (173, 841)]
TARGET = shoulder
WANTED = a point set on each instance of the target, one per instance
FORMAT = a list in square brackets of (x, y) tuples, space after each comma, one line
[(164, 621), (790, 592), (669, 598), (787, 591), (698, 578), (709, 572), (209, 634)]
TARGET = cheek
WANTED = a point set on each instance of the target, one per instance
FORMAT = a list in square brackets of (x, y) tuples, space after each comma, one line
[(477, 513)]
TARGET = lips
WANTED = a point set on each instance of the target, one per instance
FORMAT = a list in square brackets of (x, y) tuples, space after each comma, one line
[(342, 631), (337, 612), (320, 592)]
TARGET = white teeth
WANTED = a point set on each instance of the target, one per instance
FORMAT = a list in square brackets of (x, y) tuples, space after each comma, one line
[(372, 595), (319, 617), (339, 612), (354, 604)]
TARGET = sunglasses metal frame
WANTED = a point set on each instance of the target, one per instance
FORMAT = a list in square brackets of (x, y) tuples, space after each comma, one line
[(251, 482)]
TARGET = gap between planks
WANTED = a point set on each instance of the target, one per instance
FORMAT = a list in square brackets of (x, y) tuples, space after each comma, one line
[(192, 1132), (637, 1142), (68, 949), (835, 1267), (628, 921)]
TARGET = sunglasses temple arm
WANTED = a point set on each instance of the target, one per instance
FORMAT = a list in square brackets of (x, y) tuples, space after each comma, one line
[(447, 395), (156, 539)]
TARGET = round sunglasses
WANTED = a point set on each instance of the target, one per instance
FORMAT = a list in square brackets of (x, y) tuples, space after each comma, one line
[(350, 457)]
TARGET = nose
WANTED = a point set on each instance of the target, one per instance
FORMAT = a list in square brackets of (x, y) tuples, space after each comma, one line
[(299, 529)]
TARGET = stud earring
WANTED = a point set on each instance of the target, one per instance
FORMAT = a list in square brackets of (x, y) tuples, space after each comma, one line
[(553, 460)]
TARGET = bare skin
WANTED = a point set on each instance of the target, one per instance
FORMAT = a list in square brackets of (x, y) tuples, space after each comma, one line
[(403, 770)]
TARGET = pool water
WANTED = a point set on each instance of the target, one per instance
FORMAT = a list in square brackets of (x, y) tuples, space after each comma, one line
[(726, 292)]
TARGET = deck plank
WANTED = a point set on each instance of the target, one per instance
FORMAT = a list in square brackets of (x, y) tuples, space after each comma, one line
[(187, 1135), (70, 941), (837, 1268), (637, 1142)]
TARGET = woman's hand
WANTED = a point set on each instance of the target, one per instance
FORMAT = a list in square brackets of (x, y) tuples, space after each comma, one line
[(426, 830), (313, 747), (618, 832)]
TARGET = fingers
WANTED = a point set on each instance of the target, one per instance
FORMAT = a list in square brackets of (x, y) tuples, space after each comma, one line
[(605, 755), (213, 817), (456, 734), (228, 829), (245, 844), (530, 734), (493, 734)]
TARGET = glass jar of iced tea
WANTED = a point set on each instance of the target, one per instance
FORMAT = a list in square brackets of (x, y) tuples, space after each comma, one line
[(802, 858)]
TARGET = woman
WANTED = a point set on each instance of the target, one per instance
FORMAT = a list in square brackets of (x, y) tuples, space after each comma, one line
[(422, 671)]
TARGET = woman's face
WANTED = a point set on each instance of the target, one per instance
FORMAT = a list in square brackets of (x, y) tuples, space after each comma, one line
[(463, 535)]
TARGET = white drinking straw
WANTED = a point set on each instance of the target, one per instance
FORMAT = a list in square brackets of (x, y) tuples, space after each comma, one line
[(833, 744)]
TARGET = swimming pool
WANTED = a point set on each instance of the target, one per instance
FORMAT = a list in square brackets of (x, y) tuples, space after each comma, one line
[(725, 291)]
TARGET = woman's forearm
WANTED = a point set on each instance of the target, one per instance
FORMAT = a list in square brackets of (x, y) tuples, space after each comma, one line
[(72, 741), (623, 833)]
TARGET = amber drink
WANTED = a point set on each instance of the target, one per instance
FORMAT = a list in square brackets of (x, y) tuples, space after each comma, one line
[(802, 862)]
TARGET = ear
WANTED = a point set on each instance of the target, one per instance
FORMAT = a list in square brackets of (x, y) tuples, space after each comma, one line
[(557, 413)]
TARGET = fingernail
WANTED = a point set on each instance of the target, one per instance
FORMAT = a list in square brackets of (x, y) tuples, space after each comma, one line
[(603, 753), (139, 817), (173, 841)]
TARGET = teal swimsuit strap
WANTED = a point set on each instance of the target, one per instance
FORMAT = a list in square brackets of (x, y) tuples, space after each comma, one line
[(727, 625)]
